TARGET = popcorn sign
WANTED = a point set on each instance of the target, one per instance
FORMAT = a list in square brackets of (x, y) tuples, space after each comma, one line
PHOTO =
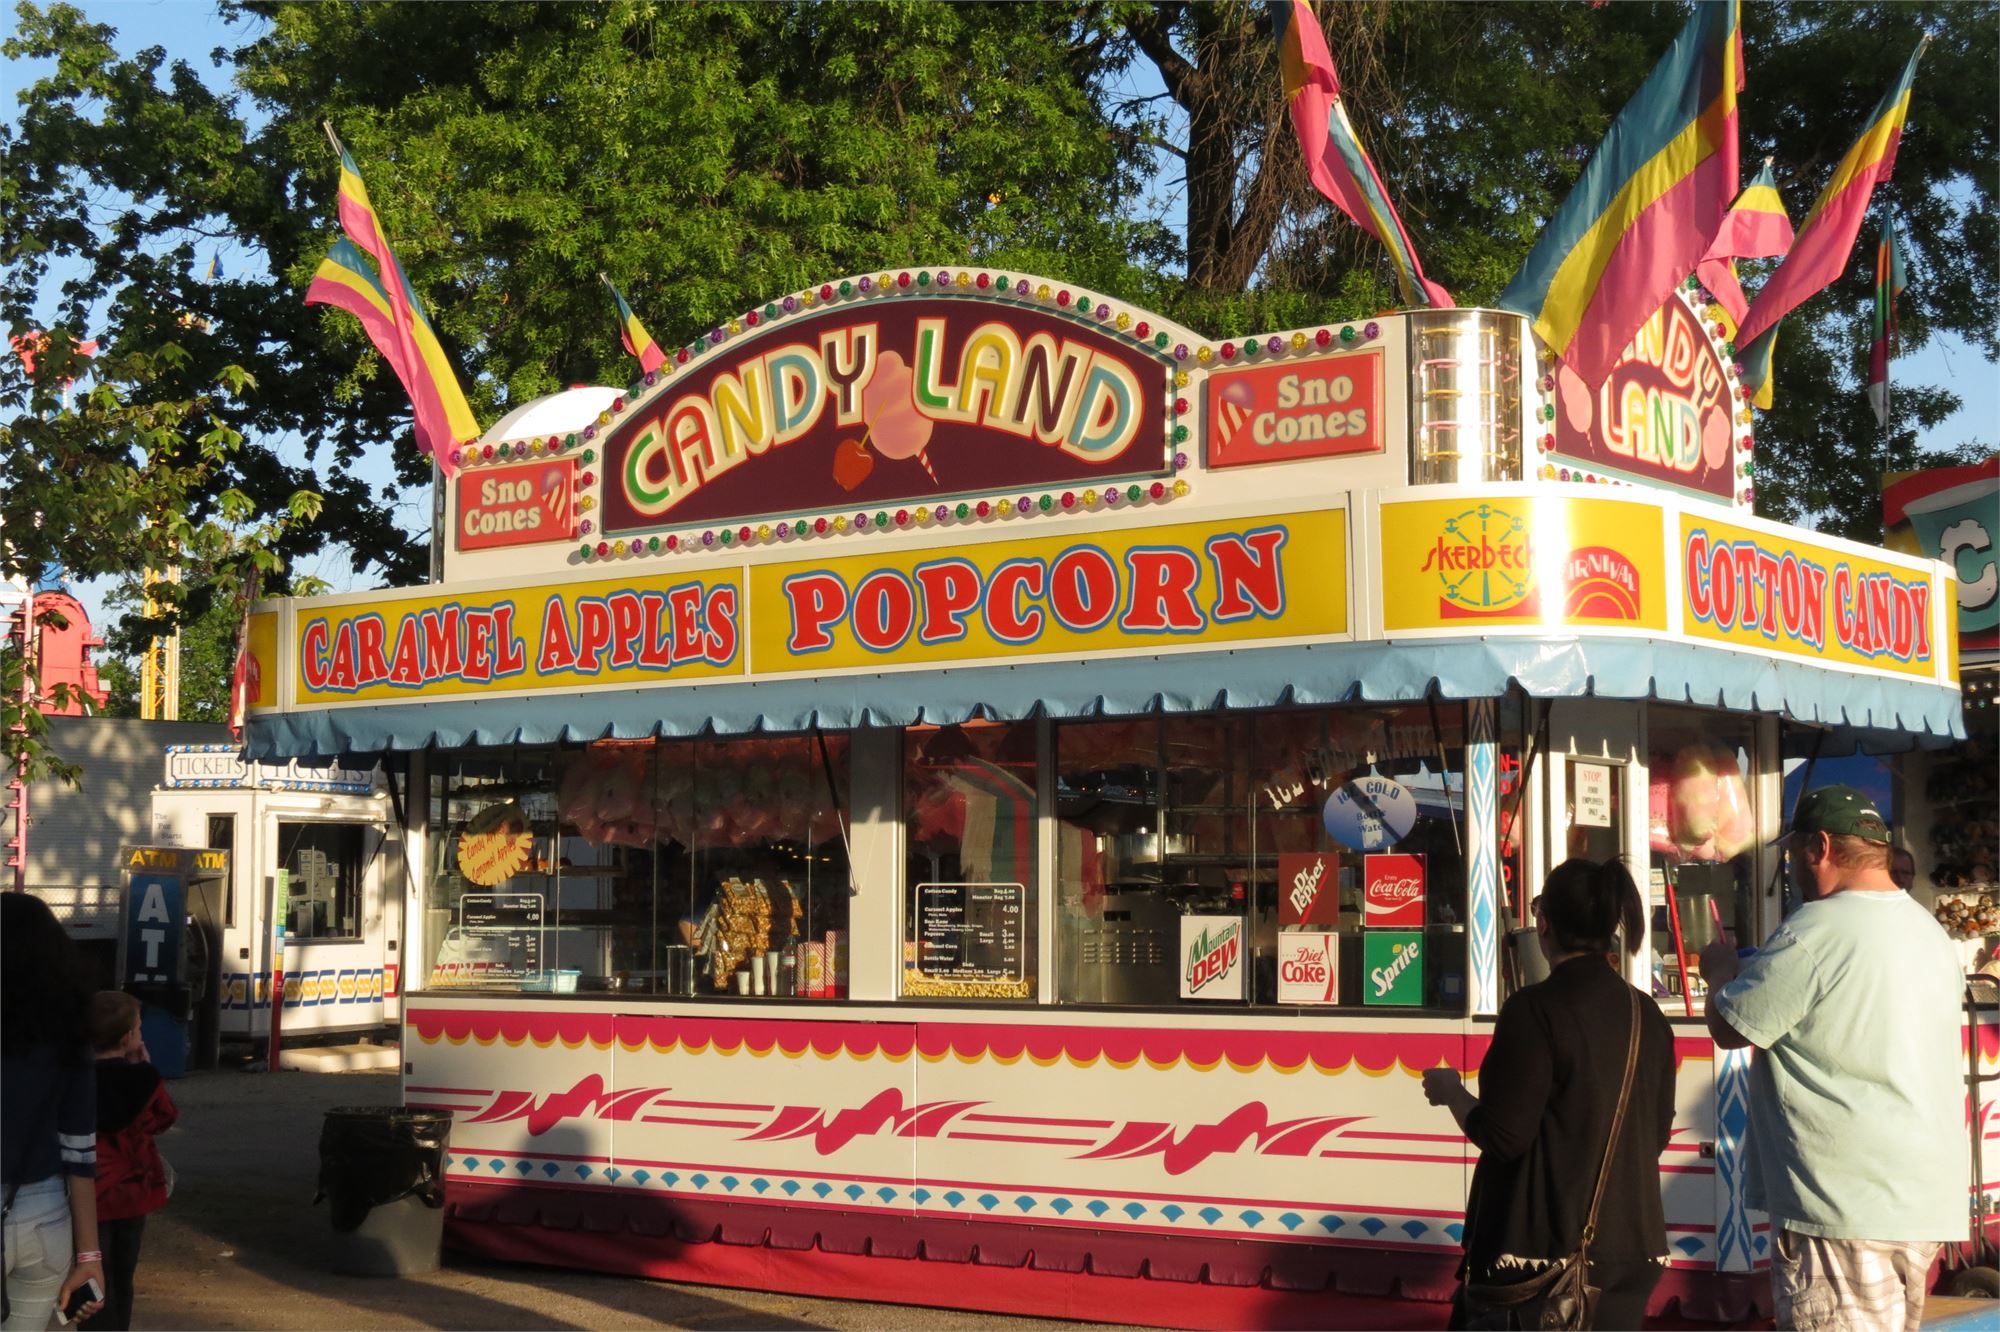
[(1308, 888), (1392, 891), (1308, 968), (1212, 949)]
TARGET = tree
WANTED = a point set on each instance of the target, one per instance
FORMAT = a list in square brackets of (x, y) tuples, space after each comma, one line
[(119, 480)]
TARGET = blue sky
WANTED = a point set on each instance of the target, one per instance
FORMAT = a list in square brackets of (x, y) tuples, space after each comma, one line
[(191, 29)]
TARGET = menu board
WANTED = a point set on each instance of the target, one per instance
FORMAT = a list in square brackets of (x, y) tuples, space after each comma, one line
[(505, 929), (972, 932)]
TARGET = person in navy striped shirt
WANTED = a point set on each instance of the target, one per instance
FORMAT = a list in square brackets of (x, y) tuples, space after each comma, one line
[(48, 1117)]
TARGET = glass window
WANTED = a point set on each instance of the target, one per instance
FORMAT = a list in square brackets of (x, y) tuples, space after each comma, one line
[(323, 863), (222, 837), (675, 867), (1701, 825), (971, 885), (1298, 857)]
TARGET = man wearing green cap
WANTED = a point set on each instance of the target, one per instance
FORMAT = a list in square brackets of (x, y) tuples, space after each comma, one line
[(1857, 1142)]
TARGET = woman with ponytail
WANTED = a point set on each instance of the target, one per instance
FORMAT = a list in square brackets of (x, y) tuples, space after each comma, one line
[(1548, 1096)]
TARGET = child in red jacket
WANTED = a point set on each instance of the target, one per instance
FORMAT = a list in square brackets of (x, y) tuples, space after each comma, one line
[(132, 1106)]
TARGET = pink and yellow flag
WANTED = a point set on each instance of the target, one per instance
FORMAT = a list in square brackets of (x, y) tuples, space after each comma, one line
[(1826, 238), (443, 418), (633, 333), (1648, 203), (1340, 167), (1757, 228)]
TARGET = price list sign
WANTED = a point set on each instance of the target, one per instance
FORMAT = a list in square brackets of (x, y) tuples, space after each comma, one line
[(507, 929), (972, 933)]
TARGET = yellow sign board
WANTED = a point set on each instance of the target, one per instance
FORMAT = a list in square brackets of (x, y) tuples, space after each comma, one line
[(260, 669), (1758, 589), (665, 627), (1522, 561), (1208, 583)]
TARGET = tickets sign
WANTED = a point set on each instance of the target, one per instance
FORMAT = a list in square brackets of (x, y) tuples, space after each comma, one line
[(1757, 589), (1215, 582), (665, 627), (517, 505), (1665, 413), (1526, 561), (1319, 408), (890, 401), (1308, 888), (1392, 891)]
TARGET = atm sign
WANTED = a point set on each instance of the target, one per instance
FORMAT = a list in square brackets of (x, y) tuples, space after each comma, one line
[(517, 506)]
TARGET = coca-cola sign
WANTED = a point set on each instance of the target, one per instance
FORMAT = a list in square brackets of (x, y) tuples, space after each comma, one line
[(1392, 891), (1308, 888)]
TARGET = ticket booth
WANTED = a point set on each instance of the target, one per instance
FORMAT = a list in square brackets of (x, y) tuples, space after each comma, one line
[(316, 869)]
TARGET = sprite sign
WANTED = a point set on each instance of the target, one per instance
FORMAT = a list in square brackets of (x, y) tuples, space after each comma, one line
[(1392, 967)]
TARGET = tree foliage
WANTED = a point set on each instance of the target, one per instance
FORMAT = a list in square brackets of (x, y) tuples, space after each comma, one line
[(709, 156)]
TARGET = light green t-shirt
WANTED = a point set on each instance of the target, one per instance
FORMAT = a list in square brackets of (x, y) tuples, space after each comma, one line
[(1857, 1091)]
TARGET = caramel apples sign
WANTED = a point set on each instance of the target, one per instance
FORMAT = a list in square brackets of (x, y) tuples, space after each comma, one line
[(928, 397)]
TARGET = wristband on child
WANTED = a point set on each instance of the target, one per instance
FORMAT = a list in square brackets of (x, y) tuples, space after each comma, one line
[(90, 1256)]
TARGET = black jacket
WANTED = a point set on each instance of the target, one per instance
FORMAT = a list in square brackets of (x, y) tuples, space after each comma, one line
[(1548, 1088)]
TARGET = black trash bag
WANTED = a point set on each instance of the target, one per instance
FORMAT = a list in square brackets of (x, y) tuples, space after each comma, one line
[(370, 1155)]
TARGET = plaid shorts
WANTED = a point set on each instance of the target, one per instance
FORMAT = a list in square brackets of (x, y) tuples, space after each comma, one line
[(1839, 1285)]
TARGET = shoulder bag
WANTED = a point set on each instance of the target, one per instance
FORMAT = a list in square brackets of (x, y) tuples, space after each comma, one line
[(1560, 1298)]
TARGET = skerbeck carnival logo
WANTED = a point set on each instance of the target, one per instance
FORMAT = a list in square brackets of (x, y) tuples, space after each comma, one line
[(1392, 891), (1212, 947), (1600, 584), (899, 398), (1485, 565)]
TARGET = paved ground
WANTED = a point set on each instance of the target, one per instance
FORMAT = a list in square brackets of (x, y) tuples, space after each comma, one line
[(240, 1244)]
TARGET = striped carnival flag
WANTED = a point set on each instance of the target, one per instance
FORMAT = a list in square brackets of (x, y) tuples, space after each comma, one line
[(633, 333), (1757, 227), (1340, 167), (1647, 205), (442, 415), (345, 280), (1826, 238), (1889, 283)]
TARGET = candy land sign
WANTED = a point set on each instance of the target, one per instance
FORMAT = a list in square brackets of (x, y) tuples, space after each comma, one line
[(898, 399), (1664, 416)]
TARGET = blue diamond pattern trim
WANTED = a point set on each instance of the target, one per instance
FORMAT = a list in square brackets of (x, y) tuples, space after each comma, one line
[(1172, 1211), (1025, 1203), (496, 1165), (1251, 1219), (1374, 1225), (670, 1179), (954, 1197), (1689, 1246), (551, 1169), (1061, 1205), (1331, 1223), (854, 1191), (822, 1188), (1291, 1220), (988, 1201), (699, 1181), (1210, 1214), (1456, 1231), (525, 1167), (886, 1194), (730, 1182), (921, 1195), (583, 1172), (791, 1187), (1414, 1229), (761, 1185), (640, 1176), (1137, 1210), (614, 1174), (1098, 1207)]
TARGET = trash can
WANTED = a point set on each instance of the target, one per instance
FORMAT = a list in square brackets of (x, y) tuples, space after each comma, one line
[(381, 1168)]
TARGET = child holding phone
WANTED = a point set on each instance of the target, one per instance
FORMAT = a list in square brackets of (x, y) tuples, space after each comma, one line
[(132, 1180)]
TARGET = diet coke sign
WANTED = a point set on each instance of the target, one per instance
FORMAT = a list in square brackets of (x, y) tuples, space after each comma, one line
[(1308, 968), (1392, 891), (1308, 888)]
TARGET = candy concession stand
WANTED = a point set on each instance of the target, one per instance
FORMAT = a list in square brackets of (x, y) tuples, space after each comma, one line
[(960, 791)]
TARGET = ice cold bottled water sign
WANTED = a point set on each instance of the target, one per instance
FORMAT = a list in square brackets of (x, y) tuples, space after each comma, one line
[(1392, 964), (1370, 813)]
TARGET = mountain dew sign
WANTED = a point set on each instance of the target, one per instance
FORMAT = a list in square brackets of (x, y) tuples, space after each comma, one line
[(1392, 968)]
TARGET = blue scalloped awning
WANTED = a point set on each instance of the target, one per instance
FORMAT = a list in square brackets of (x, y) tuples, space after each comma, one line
[(1882, 713)]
